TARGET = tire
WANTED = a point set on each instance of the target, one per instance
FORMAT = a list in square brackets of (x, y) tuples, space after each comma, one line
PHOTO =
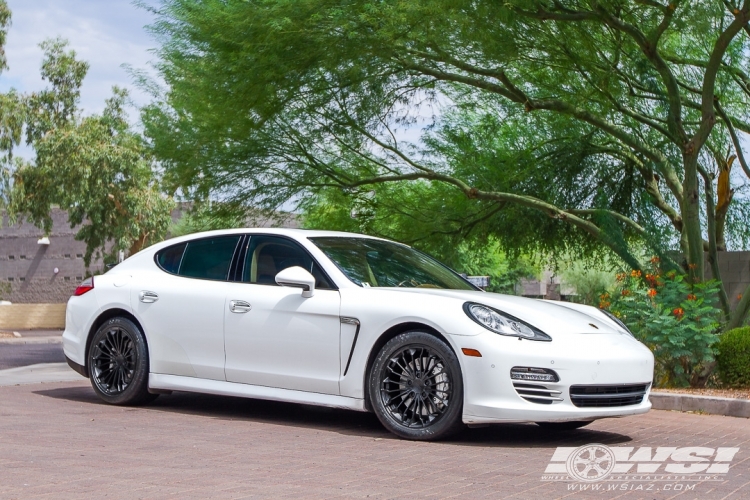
[(416, 388), (564, 426), (118, 363)]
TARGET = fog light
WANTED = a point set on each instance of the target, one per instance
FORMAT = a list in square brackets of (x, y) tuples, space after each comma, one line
[(535, 374)]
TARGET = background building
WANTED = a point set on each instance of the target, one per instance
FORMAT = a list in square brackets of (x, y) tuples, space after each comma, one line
[(32, 271)]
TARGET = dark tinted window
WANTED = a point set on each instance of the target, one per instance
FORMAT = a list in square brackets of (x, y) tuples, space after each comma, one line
[(209, 258), (169, 258), (267, 255)]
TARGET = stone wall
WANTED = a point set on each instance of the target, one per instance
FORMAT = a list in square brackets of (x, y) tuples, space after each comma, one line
[(32, 316), (27, 268)]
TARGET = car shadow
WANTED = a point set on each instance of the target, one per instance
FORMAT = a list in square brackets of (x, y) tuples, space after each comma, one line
[(345, 422)]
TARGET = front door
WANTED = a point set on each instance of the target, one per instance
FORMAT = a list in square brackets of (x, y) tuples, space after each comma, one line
[(274, 337)]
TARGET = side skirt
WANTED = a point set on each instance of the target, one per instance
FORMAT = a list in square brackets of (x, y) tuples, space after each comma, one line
[(158, 381)]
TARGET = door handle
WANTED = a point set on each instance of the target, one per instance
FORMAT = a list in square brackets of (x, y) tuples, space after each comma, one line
[(147, 297), (239, 306)]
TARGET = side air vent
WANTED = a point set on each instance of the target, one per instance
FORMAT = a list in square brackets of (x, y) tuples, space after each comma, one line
[(602, 396), (537, 393)]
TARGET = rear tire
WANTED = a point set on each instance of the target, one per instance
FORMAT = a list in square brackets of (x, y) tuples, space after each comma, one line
[(118, 363), (564, 426), (416, 387)]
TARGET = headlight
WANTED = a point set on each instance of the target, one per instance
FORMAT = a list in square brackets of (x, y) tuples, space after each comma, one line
[(618, 321), (502, 323)]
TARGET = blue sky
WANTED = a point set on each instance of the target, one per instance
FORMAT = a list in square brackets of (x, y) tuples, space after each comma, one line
[(106, 33)]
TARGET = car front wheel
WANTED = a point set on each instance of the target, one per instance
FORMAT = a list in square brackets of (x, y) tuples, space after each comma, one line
[(416, 388), (118, 363)]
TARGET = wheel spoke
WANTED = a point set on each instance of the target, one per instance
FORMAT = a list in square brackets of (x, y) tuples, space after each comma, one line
[(114, 359), (415, 386)]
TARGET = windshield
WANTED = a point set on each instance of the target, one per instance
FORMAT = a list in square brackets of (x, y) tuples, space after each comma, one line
[(370, 262)]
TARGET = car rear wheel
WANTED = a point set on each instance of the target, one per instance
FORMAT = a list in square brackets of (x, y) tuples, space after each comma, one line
[(118, 363), (564, 426), (416, 388)]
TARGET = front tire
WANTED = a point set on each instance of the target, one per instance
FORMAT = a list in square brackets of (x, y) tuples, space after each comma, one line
[(416, 387), (118, 363)]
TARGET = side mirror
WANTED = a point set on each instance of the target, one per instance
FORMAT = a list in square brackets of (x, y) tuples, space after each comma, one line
[(297, 277)]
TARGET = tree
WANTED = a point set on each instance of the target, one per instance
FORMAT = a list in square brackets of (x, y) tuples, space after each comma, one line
[(626, 108), (95, 167)]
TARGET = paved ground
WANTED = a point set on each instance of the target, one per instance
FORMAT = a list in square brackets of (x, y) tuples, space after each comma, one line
[(17, 354), (58, 441)]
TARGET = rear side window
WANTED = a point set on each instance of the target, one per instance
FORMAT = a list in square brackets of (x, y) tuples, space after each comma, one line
[(209, 258), (169, 259)]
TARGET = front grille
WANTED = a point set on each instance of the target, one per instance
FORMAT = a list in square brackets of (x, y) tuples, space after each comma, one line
[(537, 393), (590, 396)]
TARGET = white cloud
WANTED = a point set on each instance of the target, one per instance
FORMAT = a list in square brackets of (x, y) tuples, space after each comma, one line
[(106, 33)]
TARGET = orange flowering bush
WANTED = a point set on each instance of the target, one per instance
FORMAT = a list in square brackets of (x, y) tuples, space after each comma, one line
[(677, 320)]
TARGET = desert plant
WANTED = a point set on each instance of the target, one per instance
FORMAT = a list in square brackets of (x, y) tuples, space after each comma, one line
[(733, 357), (677, 320)]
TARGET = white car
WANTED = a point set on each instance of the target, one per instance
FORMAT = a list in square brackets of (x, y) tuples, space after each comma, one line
[(347, 321)]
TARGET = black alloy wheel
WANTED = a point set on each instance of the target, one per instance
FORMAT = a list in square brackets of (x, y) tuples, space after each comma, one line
[(416, 388), (118, 363)]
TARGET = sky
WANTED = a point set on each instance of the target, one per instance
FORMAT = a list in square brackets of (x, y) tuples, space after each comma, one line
[(108, 34)]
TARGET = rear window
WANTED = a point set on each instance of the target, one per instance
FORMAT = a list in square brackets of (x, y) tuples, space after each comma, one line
[(209, 258), (169, 259)]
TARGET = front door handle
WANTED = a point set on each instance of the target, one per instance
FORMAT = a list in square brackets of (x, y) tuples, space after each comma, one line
[(148, 297), (239, 306)]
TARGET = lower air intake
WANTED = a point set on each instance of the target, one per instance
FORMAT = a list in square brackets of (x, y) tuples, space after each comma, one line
[(604, 396), (537, 393)]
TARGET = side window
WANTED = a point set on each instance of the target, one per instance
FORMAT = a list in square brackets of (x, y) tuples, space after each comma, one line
[(209, 258), (268, 255), (169, 259)]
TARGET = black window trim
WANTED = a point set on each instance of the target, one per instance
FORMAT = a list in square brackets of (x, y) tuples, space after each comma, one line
[(250, 236), (187, 243)]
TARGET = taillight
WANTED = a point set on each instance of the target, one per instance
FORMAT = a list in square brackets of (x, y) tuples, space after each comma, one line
[(87, 285)]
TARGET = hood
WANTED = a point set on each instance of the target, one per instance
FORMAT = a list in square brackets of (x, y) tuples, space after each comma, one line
[(549, 316)]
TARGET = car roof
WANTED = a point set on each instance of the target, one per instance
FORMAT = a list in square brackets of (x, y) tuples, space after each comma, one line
[(294, 233)]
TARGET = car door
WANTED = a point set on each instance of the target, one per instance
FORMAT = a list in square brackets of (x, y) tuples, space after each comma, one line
[(181, 307), (274, 337)]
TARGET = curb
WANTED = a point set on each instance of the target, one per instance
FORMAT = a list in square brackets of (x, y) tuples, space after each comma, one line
[(57, 339), (703, 404), (42, 373)]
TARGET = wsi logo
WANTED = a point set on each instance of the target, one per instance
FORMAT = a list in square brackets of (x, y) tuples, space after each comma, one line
[(598, 462)]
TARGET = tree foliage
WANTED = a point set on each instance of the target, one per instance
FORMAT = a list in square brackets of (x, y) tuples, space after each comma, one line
[(565, 124), (95, 167)]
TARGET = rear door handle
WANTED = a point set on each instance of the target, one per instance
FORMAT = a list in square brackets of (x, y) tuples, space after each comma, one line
[(239, 306), (148, 297)]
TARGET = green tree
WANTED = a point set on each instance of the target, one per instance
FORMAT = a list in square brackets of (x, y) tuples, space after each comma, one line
[(578, 122), (95, 167)]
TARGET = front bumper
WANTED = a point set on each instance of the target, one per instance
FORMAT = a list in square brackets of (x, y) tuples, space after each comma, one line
[(584, 359)]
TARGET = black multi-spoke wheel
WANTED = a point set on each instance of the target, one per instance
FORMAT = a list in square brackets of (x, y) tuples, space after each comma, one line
[(416, 387), (118, 363)]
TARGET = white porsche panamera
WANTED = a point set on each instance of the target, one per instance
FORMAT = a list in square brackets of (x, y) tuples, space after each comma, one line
[(347, 321)]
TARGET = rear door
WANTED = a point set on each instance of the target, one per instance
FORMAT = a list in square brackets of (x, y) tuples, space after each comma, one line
[(181, 306)]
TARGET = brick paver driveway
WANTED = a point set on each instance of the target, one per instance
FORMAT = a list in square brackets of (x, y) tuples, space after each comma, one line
[(59, 441)]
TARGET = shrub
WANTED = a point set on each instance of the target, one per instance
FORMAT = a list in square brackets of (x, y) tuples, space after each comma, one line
[(677, 320), (733, 357)]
